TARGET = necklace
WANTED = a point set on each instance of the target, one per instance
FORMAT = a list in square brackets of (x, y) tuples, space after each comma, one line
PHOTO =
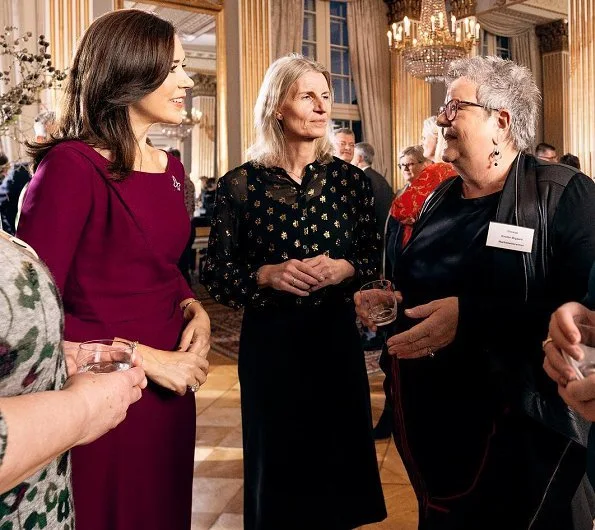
[(295, 175)]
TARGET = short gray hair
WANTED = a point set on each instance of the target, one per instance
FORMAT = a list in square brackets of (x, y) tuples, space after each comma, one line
[(367, 152), (344, 130), (416, 151), (503, 84), (270, 147)]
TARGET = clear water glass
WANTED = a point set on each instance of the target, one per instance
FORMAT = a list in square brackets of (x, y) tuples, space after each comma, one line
[(104, 356), (586, 366), (378, 298)]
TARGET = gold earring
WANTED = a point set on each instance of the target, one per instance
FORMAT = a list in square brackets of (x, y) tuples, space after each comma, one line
[(279, 116)]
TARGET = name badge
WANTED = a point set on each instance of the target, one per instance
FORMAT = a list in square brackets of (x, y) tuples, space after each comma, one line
[(510, 237)]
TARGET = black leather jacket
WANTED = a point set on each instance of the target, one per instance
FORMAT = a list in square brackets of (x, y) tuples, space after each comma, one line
[(526, 295)]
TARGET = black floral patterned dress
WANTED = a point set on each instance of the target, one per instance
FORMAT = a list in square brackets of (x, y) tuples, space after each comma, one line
[(31, 360), (302, 371)]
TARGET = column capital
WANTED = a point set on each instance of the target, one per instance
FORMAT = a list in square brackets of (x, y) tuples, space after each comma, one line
[(553, 36), (463, 8), (204, 85), (399, 9)]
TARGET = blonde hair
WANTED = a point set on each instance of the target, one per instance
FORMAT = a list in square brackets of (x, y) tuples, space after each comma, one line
[(430, 126), (269, 149)]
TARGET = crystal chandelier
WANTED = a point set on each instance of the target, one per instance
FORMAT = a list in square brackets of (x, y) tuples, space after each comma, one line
[(185, 127), (429, 45)]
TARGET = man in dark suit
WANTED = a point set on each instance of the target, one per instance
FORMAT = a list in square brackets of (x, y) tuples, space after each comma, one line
[(383, 193)]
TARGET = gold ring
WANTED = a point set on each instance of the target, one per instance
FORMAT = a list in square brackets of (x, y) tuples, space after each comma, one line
[(546, 342), (430, 352)]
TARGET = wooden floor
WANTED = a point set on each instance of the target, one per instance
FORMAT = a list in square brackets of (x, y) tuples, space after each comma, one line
[(218, 489)]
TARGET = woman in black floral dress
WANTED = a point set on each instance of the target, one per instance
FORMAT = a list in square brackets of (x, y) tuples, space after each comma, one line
[(293, 236)]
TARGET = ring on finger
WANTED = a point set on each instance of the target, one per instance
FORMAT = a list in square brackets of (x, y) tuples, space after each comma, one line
[(430, 352), (194, 388), (293, 281), (546, 342)]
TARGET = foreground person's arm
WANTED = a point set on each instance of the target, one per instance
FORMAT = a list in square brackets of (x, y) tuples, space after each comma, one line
[(36, 428)]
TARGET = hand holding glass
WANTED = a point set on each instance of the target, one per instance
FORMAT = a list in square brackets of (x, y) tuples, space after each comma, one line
[(378, 298), (586, 366), (104, 356)]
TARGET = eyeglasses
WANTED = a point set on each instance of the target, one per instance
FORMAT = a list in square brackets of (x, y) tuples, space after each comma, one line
[(408, 165), (452, 107)]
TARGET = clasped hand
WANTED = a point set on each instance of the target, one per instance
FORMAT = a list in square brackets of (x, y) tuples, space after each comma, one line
[(301, 277)]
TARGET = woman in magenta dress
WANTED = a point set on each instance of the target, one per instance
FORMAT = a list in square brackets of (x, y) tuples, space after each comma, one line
[(106, 212)]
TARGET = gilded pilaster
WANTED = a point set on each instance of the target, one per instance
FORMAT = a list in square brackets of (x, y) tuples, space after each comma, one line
[(581, 28), (410, 97), (68, 19), (553, 45), (410, 106), (255, 57)]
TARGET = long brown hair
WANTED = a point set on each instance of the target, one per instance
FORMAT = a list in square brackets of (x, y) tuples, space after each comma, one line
[(123, 56)]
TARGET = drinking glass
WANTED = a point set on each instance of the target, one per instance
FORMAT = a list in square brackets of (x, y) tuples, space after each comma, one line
[(104, 356), (378, 297), (586, 366)]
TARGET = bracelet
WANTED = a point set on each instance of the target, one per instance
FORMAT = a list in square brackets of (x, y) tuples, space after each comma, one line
[(185, 306)]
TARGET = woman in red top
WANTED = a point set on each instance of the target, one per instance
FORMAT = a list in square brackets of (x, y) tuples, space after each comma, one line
[(426, 177)]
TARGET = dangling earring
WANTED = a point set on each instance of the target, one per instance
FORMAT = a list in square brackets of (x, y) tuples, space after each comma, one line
[(279, 116), (496, 155)]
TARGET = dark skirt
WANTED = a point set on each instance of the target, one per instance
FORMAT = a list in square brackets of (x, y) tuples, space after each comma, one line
[(309, 456)]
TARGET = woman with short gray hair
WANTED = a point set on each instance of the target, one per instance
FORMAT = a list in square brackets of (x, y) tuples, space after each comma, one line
[(503, 84), (485, 438)]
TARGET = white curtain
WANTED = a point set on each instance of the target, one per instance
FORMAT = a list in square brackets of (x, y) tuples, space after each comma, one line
[(287, 21), (370, 64), (524, 46), (203, 139)]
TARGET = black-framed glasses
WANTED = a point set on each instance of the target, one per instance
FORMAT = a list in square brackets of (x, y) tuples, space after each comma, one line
[(408, 165), (452, 107)]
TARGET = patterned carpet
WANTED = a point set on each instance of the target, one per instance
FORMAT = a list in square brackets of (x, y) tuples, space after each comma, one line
[(226, 324)]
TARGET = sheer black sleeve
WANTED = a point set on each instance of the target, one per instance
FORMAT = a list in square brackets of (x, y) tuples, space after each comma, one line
[(228, 277), (366, 254)]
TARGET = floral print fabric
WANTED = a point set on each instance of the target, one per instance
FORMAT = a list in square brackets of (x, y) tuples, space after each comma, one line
[(31, 360), (263, 217), (407, 205)]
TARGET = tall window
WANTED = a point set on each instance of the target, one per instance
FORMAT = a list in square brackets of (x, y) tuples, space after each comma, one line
[(495, 45), (339, 47), (309, 42), (326, 39)]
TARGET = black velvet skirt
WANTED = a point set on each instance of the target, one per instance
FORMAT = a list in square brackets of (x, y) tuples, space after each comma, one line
[(309, 457)]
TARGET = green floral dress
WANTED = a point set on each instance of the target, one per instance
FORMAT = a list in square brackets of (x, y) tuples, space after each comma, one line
[(31, 360)]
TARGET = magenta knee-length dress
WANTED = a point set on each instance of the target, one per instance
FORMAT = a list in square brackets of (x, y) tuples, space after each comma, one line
[(113, 249)]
